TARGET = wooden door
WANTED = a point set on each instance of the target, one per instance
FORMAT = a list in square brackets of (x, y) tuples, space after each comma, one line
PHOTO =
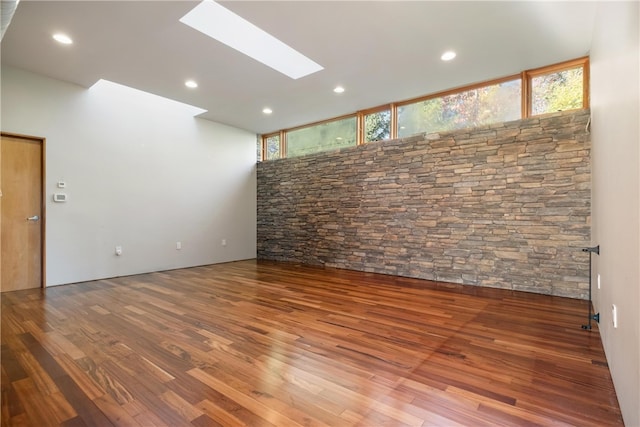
[(21, 213)]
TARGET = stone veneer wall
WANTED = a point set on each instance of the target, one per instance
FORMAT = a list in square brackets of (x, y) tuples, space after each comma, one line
[(505, 205)]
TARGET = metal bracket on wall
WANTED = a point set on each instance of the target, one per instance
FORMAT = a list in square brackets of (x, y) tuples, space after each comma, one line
[(596, 317), (594, 249)]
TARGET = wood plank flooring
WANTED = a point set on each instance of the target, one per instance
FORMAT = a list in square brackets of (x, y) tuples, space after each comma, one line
[(260, 343)]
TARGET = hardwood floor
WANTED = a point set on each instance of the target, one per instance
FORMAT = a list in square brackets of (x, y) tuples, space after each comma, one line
[(273, 344)]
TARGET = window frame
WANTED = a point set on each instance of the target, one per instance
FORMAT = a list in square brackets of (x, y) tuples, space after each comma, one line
[(284, 132), (361, 122), (454, 91), (529, 75), (525, 77), (263, 146)]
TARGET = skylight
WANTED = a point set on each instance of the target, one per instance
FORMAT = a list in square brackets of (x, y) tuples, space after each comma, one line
[(221, 24), (147, 99)]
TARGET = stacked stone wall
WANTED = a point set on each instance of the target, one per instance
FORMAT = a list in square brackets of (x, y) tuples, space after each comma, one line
[(505, 205)]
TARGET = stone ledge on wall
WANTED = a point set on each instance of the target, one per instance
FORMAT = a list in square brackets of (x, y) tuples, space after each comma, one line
[(506, 205)]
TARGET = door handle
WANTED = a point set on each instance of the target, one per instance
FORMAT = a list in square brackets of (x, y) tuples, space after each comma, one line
[(33, 218)]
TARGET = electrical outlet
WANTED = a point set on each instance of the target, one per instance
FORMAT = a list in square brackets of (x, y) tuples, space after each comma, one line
[(598, 280), (118, 250), (178, 246), (614, 315), (224, 242)]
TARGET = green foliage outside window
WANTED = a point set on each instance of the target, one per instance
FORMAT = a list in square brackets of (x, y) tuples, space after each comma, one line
[(557, 91), (322, 137), (272, 148), (550, 91), (259, 149), (377, 126), (485, 105)]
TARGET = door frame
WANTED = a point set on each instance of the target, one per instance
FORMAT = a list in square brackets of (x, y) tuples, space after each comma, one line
[(43, 200)]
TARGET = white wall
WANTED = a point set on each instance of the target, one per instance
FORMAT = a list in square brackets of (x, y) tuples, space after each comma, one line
[(141, 172), (615, 100)]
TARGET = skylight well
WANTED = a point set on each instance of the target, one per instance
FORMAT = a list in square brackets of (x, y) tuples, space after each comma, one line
[(219, 23)]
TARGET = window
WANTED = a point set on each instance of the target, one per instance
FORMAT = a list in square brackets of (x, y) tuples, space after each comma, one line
[(377, 126), (494, 103), (562, 90), (272, 147), (543, 90), (259, 149), (322, 137)]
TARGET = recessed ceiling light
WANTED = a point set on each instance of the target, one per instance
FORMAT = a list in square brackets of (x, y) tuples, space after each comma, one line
[(221, 24), (338, 89), (267, 110), (191, 84), (448, 55), (62, 38)]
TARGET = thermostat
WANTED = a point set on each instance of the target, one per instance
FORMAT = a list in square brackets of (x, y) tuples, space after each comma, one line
[(59, 197)]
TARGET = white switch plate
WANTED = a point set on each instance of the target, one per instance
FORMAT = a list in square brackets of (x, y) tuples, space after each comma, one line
[(178, 245), (224, 242), (614, 315), (118, 250), (59, 197), (598, 280)]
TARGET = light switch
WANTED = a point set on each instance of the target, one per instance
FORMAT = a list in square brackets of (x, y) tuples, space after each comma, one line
[(59, 197)]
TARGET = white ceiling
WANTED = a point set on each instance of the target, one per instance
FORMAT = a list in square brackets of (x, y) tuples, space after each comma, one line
[(380, 51)]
